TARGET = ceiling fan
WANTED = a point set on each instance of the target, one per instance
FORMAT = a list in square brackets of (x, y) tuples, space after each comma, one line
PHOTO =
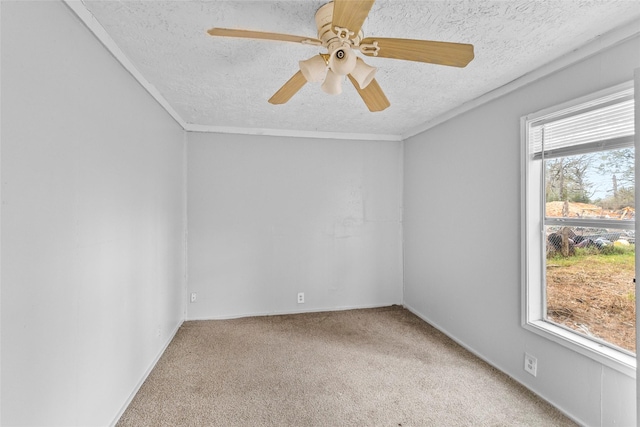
[(339, 31)]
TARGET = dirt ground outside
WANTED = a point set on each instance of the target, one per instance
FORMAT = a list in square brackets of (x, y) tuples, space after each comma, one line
[(594, 295), (586, 210)]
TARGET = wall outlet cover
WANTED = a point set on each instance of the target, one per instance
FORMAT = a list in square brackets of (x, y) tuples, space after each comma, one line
[(530, 364)]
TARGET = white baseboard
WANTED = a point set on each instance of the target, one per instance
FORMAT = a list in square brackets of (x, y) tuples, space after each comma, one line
[(285, 312), (485, 359), (145, 375)]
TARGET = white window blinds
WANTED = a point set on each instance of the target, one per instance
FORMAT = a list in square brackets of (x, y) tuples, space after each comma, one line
[(602, 124)]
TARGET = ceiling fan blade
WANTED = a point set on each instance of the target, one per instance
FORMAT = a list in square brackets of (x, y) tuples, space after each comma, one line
[(372, 95), (248, 34), (350, 14), (290, 88), (441, 53)]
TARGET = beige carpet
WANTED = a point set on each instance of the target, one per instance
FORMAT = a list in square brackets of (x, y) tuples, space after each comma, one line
[(373, 367)]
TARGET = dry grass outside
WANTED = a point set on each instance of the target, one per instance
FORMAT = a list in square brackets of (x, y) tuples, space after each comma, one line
[(594, 294)]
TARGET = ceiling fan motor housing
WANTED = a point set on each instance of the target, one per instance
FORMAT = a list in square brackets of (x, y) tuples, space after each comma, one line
[(328, 35), (342, 59)]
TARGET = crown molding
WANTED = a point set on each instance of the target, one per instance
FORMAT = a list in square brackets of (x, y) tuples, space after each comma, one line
[(292, 133), (81, 11), (591, 48), (78, 7), (594, 46)]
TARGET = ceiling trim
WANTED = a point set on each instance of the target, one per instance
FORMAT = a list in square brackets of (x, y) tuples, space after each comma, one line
[(78, 7), (590, 48), (81, 11), (293, 133)]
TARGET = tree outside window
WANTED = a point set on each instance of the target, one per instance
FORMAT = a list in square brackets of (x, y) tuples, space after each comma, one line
[(579, 225)]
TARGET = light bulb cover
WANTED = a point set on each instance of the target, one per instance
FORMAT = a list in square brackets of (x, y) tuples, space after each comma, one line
[(363, 73), (342, 60), (332, 83), (314, 68)]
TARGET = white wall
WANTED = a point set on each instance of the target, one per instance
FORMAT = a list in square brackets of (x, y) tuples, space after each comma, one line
[(92, 223), (270, 217), (93, 217), (462, 240)]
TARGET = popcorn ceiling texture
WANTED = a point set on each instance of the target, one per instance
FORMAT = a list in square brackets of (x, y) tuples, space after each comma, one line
[(224, 82)]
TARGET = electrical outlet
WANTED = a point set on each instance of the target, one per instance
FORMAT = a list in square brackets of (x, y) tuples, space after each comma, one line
[(530, 364), (301, 298), (194, 296)]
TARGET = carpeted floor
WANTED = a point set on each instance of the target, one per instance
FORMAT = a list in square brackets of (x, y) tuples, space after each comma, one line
[(372, 367)]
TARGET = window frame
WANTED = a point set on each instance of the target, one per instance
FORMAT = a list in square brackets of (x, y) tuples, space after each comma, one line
[(533, 250)]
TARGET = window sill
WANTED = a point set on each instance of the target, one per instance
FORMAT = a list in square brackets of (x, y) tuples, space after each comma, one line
[(614, 359)]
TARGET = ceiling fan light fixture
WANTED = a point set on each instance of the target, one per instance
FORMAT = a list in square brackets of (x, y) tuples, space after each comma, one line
[(342, 60), (314, 69), (363, 73), (332, 83), (339, 24)]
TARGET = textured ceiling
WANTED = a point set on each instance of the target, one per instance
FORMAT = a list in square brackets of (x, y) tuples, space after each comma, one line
[(222, 83)]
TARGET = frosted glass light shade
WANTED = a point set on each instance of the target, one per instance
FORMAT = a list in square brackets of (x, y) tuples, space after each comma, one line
[(363, 73), (332, 83), (342, 61), (314, 68)]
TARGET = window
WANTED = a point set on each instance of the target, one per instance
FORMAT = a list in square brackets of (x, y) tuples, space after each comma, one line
[(579, 226)]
